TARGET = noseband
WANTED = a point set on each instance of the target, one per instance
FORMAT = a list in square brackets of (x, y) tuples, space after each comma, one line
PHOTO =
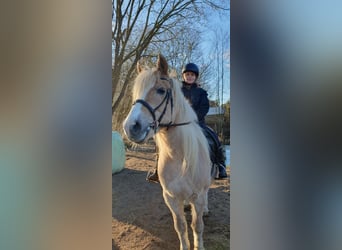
[(167, 99)]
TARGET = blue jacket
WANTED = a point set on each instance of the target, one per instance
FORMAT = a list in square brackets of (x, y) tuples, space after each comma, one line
[(198, 99)]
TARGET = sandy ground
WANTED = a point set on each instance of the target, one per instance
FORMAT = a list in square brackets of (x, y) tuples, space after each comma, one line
[(141, 220)]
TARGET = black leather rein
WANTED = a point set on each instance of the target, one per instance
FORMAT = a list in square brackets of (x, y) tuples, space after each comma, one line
[(167, 99)]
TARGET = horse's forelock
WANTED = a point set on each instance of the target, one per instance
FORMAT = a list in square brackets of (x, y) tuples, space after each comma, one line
[(144, 82)]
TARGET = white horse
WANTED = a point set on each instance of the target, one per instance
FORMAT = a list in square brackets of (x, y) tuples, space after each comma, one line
[(161, 110)]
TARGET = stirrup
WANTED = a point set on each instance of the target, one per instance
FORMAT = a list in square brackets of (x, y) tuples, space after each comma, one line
[(152, 176)]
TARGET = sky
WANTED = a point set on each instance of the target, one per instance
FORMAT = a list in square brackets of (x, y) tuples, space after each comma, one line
[(207, 43)]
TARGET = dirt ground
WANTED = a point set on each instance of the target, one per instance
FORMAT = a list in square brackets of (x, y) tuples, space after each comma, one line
[(141, 220)]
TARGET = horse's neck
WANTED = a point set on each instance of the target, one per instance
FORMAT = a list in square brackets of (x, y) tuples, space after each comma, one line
[(169, 137), (170, 140)]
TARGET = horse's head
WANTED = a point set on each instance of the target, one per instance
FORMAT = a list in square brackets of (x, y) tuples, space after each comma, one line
[(153, 102)]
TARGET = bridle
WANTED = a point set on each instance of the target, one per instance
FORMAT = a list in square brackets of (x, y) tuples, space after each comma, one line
[(167, 99)]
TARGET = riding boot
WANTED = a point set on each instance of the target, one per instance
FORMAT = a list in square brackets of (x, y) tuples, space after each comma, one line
[(221, 157), (153, 176), (222, 171)]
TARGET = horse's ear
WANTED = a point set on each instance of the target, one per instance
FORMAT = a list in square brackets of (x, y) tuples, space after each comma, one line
[(162, 65), (139, 68)]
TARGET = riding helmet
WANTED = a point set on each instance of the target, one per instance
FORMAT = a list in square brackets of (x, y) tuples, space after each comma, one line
[(192, 68)]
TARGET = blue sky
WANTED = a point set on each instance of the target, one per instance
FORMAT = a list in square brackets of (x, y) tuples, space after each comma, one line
[(215, 22)]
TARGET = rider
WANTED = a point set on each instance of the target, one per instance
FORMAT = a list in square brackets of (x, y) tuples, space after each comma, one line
[(198, 99)]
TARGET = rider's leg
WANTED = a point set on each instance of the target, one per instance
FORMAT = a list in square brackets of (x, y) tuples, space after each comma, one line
[(219, 154)]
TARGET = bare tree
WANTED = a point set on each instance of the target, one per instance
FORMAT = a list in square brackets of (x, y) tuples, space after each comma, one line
[(139, 28), (219, 54), (136, 24)]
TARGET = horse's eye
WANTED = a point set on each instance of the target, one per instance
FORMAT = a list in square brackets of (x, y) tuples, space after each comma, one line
[(161, 91)]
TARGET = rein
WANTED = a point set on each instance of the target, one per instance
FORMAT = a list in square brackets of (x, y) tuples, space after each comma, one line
[(167, 99)]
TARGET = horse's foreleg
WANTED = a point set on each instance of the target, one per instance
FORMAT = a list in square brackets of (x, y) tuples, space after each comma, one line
[(197, 224), (177, 209)]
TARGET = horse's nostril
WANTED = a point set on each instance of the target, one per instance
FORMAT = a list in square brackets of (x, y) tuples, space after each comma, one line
[(136, 127)]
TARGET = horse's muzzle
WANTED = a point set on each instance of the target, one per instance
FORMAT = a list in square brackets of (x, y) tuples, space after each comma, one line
[(136, 131)]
